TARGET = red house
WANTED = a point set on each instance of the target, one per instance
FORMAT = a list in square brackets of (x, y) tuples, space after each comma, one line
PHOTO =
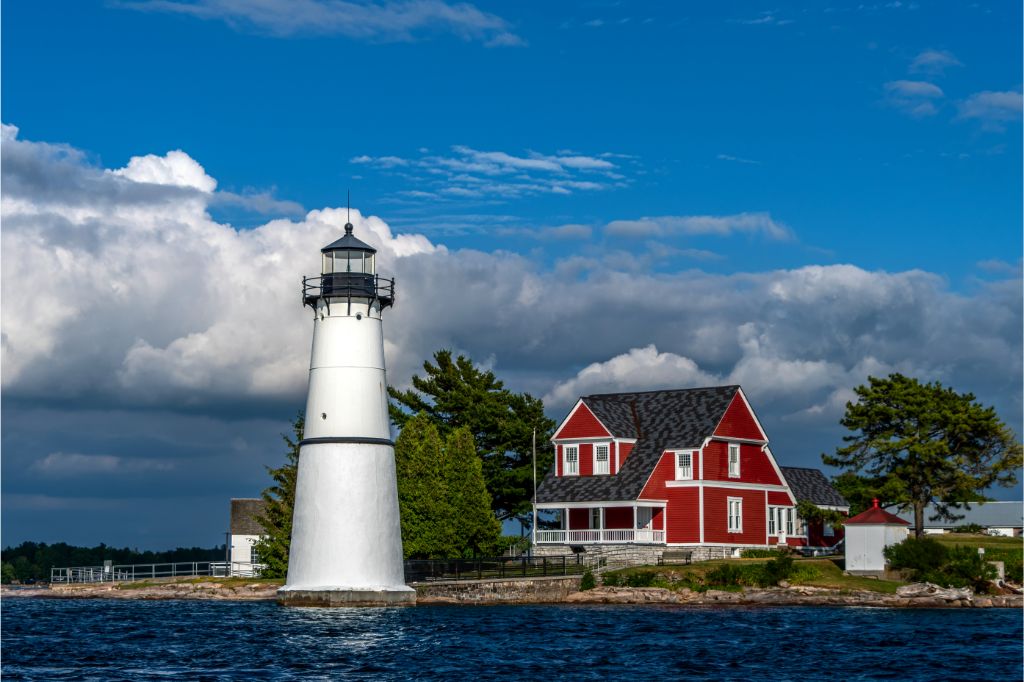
[(686, 468)]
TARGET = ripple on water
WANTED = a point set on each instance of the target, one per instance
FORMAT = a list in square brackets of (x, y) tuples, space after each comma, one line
[(137, 640)]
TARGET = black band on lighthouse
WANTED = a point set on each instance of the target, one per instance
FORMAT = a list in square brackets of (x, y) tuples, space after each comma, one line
[(346, 439)]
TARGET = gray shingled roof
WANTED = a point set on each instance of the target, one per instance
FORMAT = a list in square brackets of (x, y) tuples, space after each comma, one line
[(243, 516), (659, 420), (811, 485)]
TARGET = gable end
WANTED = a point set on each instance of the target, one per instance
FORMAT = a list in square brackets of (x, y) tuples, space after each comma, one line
[(581, 423)]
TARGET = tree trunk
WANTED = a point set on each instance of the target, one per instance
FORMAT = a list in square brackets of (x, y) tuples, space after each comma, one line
[(918, 520)]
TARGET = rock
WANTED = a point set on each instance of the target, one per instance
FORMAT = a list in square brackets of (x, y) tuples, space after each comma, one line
[(983, 602), (784, 584), (930, 590)]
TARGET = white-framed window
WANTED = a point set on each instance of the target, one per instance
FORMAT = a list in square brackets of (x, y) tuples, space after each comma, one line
[(735, 514), (789, 520), (828, 531), (684, 466), (734, 460), (570, 460), (601, 459), (595, 518), (771, 520)]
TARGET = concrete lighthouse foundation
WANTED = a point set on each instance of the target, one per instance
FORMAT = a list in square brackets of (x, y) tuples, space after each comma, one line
[(346, 546)]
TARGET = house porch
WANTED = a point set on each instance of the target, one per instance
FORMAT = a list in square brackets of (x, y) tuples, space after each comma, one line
[(632, 522)]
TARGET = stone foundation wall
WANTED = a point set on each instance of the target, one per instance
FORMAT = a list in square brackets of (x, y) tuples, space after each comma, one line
[(498, 590), (609, 556)]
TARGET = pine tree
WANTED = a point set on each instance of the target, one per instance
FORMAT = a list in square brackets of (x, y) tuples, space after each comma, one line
[(272, 549), (476, 530), (426, 513), (455, 393), (927, 443)]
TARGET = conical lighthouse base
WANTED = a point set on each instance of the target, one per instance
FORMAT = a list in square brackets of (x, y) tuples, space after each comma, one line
[(346, 547)]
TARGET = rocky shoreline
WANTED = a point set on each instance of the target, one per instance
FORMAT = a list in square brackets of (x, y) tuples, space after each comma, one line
[(466, 593)]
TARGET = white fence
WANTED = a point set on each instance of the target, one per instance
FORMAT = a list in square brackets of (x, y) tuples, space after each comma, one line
[(594, 536), (183, 569)]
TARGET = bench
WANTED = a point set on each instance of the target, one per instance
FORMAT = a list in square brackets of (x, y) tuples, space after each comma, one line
[(676, 556)]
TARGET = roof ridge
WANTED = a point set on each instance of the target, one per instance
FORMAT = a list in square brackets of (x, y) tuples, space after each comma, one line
[(661, 390)]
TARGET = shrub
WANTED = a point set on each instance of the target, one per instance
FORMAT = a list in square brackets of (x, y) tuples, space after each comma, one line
[(1014, 568), (640, 579), (963, 568), (969, 528), (760, 553), (611, 580), (587, 582), (779, 568), (920, 555), (726, 574)]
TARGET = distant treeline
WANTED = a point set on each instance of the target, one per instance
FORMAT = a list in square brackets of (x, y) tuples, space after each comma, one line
[(33, 560)]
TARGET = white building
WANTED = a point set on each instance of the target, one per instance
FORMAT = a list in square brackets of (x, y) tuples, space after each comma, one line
[(245, 532), (996, 518), (346, 546), (867, 535)]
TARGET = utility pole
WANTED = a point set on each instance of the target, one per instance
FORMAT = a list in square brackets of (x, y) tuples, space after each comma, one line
[(533, 526)]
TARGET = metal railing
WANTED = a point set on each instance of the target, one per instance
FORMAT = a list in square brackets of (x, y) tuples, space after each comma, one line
[(348, 285), (130, 572), (420, 570), (594, 536)]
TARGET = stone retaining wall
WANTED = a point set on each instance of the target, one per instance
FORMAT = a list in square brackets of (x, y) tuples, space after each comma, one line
[(498, 591), (604, 557)]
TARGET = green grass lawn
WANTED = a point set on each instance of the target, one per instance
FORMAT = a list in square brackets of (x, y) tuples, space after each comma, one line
[(816, 572), (1008, 550), (226, 582)]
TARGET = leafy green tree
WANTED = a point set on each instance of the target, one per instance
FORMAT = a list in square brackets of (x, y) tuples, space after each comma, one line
[(929, 443), (7, 574), (810, 512), (426, 512), (272, 549), (455, 393), (859, 491), (477, 531)]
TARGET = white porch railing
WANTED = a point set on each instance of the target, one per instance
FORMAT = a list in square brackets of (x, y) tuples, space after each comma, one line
[(617, 536)]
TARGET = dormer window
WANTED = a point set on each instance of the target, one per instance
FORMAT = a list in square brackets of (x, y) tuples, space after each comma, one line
[(601, 459), (571, 460), (684, 466), (734, 460)]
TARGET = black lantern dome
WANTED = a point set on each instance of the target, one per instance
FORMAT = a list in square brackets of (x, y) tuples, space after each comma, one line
[(349, 271)]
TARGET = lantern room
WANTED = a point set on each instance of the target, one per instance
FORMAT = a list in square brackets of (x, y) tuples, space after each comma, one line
[(348, 271), (348, 255)]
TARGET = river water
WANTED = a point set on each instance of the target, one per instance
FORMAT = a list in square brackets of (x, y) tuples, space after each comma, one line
[(50, 639)]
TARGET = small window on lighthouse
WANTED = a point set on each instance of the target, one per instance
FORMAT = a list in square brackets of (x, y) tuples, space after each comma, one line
[(328, 264), (368, 264)]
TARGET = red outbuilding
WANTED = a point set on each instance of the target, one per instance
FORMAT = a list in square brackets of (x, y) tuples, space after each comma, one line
[(688, 468)]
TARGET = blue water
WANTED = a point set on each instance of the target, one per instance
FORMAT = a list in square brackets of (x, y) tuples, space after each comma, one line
[(189, 640)]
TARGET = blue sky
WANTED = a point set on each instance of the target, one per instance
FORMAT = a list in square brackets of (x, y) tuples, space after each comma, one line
[(790, 195)]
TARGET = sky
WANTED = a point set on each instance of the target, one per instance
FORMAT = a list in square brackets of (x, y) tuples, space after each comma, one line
[(583, 197)]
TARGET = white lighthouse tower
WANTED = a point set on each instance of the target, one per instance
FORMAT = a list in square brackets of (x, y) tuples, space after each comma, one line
[(346, 547)]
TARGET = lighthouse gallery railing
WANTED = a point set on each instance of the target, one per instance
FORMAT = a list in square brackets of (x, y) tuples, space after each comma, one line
[(348, 285)]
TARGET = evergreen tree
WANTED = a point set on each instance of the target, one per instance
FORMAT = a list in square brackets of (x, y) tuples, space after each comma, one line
[(475, 527), (927, 443), (272, 549), (426, 512), (454, 393)]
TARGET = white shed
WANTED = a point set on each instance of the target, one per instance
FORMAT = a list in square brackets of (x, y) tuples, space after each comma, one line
[(245, 532), (867, 534)]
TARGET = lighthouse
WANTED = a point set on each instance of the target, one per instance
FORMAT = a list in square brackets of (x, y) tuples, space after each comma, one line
[(346, 546)]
